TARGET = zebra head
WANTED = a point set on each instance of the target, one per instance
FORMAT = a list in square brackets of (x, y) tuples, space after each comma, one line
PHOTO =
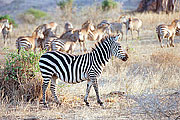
[(117, 50)]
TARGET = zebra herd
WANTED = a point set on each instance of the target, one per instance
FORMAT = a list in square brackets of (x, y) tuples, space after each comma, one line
[(58, 63)]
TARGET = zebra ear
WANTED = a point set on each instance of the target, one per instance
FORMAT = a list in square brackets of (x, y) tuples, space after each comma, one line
[(117, 37)]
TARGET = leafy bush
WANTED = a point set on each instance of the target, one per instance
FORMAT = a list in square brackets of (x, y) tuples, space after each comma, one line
[(108, 4), (20, 76), (65, 4), (11, 20), (36, 13)]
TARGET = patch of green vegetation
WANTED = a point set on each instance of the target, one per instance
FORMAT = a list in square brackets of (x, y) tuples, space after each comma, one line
[(11, 20), (36, 13), (108, 4), (65, 4), (20, 76)]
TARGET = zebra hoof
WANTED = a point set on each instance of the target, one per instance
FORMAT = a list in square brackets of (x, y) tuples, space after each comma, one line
[(45, 105), (87, 103), (101, 103), (58, 103)]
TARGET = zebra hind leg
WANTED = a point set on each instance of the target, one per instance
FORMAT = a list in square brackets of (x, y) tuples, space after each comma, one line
[(53, 88), (89, 85), (160, 40), (44, 87), (95, 85)]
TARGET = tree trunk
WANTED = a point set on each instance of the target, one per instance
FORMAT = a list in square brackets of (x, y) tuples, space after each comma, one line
[(157, 5)]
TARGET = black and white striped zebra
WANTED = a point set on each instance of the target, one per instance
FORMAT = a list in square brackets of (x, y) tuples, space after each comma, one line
[(77, 68), (167, 31)]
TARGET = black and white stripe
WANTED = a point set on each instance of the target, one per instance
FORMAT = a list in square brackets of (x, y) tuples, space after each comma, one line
[(77, 68), (23, 44)]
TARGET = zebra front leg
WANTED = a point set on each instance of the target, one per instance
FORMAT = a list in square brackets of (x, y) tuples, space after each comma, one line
[(121, 35), (89, 85), (84, 47), (53, 88), (132, 34), (80, 43), (168, 41), (172, 41), (95, 85)]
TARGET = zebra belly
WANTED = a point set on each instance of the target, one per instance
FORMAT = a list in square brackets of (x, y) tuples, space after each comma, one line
[(74, 79)]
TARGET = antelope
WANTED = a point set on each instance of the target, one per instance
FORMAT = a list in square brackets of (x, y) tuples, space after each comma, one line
[(51, 26), (168, 31), (100, 31), (132, 24), (29, 42), (66, 44), (3, 23), (68, 26), (115, 27), (49, 36), (86, 29)]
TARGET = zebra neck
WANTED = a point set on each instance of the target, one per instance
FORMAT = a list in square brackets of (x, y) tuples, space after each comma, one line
[(101, 55)]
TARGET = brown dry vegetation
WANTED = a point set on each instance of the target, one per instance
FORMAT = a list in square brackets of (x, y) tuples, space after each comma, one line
[(149, 80)]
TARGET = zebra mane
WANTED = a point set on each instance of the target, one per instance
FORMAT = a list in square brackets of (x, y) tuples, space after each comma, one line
[(100, 42)]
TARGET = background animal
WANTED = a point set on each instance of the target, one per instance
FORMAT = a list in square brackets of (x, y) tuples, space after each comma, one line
[(133, 24), (167, 31)]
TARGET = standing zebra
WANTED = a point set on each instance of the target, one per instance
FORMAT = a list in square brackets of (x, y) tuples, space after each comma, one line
[(77, 68), (167, 31)]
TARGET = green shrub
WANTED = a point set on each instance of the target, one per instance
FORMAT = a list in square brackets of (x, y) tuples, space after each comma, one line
[(20, 76), (65, 4), (11, 20), (36, 13), (108, 4)]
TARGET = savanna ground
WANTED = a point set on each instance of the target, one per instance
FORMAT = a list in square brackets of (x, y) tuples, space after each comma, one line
[(148, 84)]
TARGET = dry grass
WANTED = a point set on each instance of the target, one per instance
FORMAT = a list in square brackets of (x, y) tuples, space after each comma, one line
[(150, 78)]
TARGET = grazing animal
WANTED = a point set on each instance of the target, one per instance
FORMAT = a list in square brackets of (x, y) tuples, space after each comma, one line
[(6, 31), (116, 27), (68, 26), (132, 24), (42, 28), (60, 45), (49, 36), (4, 23), (28, 42), (86, 29), (77, 68), (167, 31), (100, 31), (66, 44)]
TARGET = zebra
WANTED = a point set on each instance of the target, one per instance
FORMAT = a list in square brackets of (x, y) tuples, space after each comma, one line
[(29, 42), (77, 68), (167, 31), (6, 32)]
